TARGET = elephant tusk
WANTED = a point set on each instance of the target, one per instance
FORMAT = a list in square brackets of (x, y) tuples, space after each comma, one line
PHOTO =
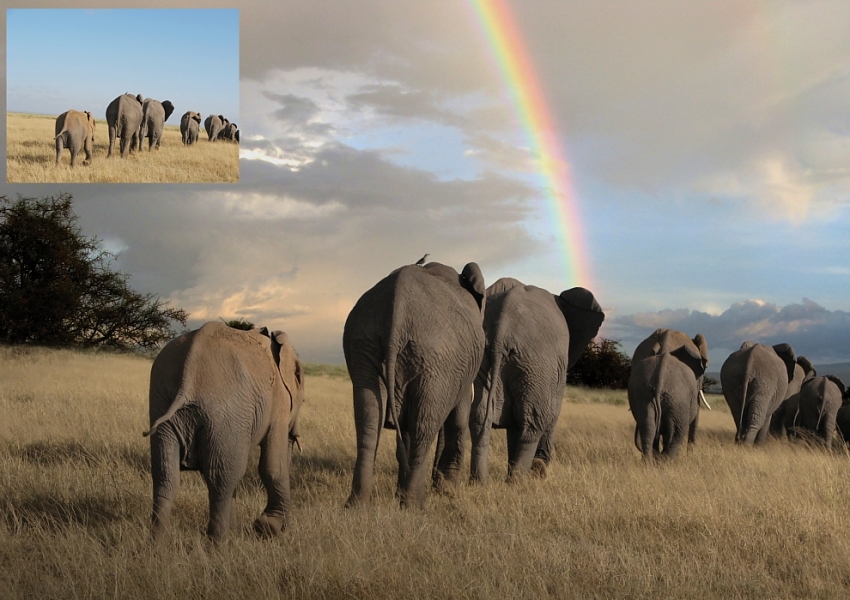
[(298, 443), (704, 401)]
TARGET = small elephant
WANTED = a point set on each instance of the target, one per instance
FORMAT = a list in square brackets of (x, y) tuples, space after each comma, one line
[(189, 125), (215, 393), (154, 116), (124, 118), (214, 125), (820, 400), (413, 344), (665, 387), (782, 421), (755, 380), (75, 131), (230, 132), (533, 338)]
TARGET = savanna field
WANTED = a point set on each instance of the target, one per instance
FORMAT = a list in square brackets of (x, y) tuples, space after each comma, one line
[(720, 522), (31, 156)]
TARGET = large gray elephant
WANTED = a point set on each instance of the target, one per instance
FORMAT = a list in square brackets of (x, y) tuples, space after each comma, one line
[(154, 116), (665, 388), (75, 131), (215, 393), (413, 344), (755, 380), (782, 421), (190, 123), (533, 338), (820, 400), (214, 125), (124, 119)]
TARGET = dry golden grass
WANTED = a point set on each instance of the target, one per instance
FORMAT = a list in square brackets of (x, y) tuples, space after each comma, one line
[(31, 156), (720, 522)]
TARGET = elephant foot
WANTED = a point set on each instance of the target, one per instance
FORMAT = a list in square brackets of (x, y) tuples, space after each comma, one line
[(267, 526), (445, 486), (538, 468)]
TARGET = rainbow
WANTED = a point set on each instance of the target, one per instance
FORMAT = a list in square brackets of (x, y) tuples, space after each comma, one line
[(514, 64)]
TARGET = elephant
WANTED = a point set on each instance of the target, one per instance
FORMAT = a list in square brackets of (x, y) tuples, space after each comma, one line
[(124, 118), (75, 131), (236, 136), (665, 387), (189, 124), (533, 338), (230, 132), (154, 116), (842, 419), (755, 379), (413, 344), (215, 393), (214, 125), (782, 421), (817, 412)]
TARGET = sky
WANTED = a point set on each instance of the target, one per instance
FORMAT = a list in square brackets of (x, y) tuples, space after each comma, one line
[(707, 147), (190, 57)]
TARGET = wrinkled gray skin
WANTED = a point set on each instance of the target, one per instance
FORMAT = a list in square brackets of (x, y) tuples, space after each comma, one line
[(755, 381), (190, 123), (124, 118), (214, 125), (413, 344), (664, 386), (215, 393), (782, 421), (154, 116), (533, 339), (75, 131), (820, 400)]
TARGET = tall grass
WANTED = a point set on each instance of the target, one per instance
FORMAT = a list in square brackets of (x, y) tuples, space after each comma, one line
[(720, 522), (31, 157)]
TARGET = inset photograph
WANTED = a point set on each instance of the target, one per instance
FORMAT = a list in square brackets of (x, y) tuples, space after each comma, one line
[(122, 95)]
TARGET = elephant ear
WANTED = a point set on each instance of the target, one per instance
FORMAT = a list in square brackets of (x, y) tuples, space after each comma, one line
[(279, 340), (807, 366), (786, 353), (472, 281), (502, 285), (834, 379), (747, 344), (692, 358), (140, 99), (699, 342), (197, 117), (584, 317), (169, 108)]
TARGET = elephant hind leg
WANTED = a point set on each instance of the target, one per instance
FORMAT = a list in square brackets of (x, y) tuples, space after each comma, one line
[(165, 471), (221, 481), (449, 455), (59, 147), (368, 421), (522, 445), (274, 472)]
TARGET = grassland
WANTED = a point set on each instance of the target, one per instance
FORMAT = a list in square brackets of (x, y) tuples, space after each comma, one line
[(721, 522), (31, 156)]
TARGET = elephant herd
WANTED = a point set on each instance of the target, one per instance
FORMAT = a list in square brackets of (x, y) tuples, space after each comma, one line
[(434, 354), (132, 120), (769, 391)]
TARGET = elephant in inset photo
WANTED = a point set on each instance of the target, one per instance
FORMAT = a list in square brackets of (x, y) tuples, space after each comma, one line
[(665, 388), (782, 421), (533, 338), (154, 116), (413, 344), (230, 132), (124, 119), (216, 393), (75, 131), (190, 123), (755, 380), (820, 400), (214, 125)]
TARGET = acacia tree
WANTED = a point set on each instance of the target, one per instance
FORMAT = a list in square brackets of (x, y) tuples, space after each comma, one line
[(601, 365), (57, 287)]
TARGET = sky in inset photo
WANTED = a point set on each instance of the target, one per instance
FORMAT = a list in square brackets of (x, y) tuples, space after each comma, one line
[(688, 162)]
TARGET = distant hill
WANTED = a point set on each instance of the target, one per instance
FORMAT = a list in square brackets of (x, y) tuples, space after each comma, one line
[(841, 370)]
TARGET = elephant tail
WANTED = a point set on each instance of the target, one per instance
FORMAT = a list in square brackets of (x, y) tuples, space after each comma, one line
[(741, 431), (179, 402)]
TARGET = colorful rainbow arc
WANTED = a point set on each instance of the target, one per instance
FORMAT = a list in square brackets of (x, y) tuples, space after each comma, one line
[(516, 68)]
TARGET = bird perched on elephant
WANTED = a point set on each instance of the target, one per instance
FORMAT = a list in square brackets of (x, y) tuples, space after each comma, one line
[(533, 338), (665, 388), (782, 421), (190, 123), (214, 125), (215, 393), (413, 344), (124, 119), (154, 116), (755, 379), (819, 402), (75, 131)]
